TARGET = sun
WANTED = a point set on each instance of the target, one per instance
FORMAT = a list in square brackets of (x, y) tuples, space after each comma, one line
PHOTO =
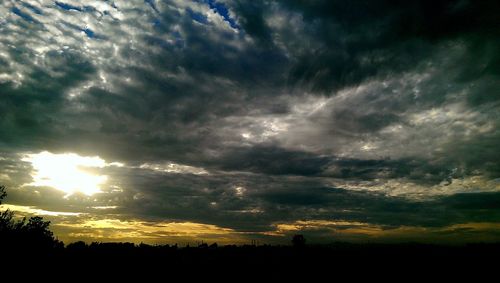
[(67, 172)]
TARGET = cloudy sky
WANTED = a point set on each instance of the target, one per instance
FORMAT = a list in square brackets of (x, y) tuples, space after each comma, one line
[(231, 121)]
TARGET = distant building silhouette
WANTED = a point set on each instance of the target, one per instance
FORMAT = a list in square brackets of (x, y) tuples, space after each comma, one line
[(298, 241)]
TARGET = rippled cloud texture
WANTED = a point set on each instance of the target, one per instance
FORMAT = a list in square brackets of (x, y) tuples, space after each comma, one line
[(238, 120)]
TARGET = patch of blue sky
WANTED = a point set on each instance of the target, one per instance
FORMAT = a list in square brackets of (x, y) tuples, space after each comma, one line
[(198, 17), (23, 15), (68, 7), (88, 9), (90, 33), (222, 10), (86, 30), (157, 23)]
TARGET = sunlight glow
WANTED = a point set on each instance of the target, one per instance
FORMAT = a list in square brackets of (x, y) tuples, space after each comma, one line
[(67, 172)]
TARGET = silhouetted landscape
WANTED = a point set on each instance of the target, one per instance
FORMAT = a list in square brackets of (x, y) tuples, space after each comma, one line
[(31, 238)]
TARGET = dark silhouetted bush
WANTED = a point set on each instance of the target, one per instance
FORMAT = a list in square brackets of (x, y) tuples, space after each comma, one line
[(25, 235)]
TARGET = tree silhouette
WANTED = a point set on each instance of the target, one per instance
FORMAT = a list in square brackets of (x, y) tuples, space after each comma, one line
[(29, 235), (3, 193), (6, 217)]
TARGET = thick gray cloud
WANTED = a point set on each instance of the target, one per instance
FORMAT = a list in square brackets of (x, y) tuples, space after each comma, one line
[(251, 114)]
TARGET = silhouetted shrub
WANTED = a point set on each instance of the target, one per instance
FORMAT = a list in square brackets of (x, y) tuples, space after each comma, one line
[(29, 235)]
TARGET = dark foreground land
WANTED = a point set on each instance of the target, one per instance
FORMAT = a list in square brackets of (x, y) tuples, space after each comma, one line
[(390, 262)]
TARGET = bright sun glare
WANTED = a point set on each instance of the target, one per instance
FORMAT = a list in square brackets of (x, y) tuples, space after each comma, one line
[(67, 172)]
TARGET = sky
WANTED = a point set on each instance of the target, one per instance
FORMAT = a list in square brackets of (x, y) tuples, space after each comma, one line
[(237, 121)]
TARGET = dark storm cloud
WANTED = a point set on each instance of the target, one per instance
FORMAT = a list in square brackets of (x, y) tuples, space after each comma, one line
[(418, 171), (28, 112), (363, 39), (274, 160), (368, 111), (265, 200)]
